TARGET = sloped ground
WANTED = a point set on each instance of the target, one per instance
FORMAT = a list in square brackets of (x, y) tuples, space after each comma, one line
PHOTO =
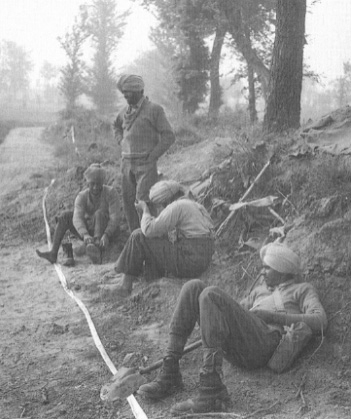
[(49, 365)]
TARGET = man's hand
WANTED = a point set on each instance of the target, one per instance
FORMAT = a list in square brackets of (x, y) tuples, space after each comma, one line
[(104, 242), (88, 239), (141, 206)]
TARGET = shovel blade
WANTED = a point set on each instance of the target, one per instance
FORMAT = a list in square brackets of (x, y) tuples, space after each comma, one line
[(122, 388)]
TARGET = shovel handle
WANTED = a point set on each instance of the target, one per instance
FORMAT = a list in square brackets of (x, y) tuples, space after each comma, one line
[(158, 364)]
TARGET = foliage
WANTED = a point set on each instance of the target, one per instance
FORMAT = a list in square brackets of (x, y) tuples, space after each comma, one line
[(73, 75), (105, 27), (15, 67), (181, 36), (343, 85)]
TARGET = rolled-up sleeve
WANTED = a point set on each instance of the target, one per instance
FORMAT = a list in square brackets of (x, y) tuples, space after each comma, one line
[(160, 226), (313, 312)]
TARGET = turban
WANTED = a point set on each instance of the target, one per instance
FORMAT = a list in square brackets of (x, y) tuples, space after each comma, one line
[(95, 173), (162, 191), (280, 258), (130, 82)]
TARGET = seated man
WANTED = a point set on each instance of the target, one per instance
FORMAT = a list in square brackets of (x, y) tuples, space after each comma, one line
[(179, 241), (247, 334), (94, 220)]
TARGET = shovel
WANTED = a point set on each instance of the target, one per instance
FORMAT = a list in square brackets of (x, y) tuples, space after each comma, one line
[(127, 380)]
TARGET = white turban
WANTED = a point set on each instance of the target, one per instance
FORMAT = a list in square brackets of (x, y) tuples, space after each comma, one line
[(95, 173), (164, 190), (280, 258)]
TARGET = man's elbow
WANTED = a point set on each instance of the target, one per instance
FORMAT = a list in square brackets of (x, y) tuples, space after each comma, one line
[(320, 325)]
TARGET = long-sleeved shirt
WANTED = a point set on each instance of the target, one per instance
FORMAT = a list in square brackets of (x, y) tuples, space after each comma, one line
[(299, 301), (147, 136), (86, 205), (189, 218)]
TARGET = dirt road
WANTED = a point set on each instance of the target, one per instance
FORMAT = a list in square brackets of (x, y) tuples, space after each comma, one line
[(49, 366), (22, 154)]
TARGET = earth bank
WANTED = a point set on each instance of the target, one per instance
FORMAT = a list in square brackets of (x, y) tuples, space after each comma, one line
[(50, 367)]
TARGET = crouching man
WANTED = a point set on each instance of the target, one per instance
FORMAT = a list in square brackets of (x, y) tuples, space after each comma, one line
[(179, 241), (94, 220), (246, 334)]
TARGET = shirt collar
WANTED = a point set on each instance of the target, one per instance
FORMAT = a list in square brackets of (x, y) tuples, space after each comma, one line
[(282, 285)]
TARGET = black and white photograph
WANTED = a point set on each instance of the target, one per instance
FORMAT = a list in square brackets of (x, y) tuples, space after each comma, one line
[(175, 209)]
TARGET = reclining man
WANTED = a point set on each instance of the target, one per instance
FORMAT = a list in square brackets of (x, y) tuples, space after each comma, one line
[(94, 220), (246, 334), (179, 241)]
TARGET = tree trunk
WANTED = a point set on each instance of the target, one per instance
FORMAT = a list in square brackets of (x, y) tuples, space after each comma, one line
[(283, 104), (252, 94), (216, 92)]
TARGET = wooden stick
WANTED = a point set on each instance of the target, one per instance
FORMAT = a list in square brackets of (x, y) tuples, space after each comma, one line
[(232, 213), (276, 215)]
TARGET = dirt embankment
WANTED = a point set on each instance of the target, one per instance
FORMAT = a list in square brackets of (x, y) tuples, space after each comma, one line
[(50, 368)]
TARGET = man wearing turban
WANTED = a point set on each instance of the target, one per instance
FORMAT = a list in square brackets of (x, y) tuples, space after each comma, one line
[(144, 133), (247, 334), (179, 241), (94, 220)]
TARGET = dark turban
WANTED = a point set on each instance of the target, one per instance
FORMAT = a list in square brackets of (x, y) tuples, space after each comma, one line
[(130, 82), (95, 173)]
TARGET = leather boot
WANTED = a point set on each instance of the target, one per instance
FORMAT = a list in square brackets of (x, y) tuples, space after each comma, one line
[(68, 254), (167, 381), (213, 395)]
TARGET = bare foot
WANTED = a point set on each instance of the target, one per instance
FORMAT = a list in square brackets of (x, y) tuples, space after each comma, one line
[(47, 255)]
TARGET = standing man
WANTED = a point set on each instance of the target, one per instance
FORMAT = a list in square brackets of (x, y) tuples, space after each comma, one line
[(145, 134)]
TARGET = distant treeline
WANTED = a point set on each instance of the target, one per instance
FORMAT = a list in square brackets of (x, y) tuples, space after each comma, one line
[(5, 128)]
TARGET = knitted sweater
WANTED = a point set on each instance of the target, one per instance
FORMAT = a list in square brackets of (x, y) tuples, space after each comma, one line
[(148, 136), (300, 304), (85, 207)]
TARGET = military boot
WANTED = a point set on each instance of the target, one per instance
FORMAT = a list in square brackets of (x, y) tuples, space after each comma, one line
[(168, 380), (68, 254), (213, 395)]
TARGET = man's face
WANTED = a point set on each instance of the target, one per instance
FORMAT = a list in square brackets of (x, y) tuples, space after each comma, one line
[(272, 277), (132, 97), (95, 187)]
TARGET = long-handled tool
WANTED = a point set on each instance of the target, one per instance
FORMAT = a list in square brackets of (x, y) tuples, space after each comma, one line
[(127, 380)]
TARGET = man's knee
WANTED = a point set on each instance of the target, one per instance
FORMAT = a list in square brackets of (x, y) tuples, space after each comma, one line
[(209, 294), (65, 218), (136, 236), (193, 286)]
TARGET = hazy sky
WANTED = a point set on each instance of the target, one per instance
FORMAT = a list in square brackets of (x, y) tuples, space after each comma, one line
[(36, 24)]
